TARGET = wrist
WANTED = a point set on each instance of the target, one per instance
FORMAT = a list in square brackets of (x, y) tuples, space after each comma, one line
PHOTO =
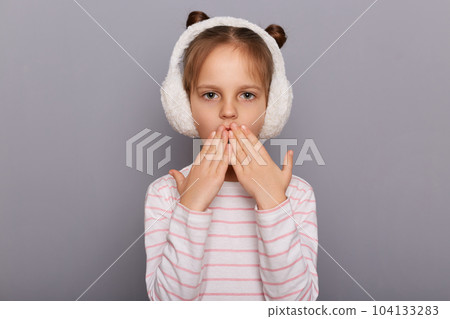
[(269, 202), (192, 206)]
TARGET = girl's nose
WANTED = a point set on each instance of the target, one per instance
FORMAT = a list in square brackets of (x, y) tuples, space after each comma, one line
[(228, 111)]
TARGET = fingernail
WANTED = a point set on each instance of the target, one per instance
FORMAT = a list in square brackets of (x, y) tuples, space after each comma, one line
[(213, 133), (231, 133), (244, 127)]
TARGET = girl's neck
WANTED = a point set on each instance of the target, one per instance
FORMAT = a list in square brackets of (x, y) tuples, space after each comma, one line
[(230, 175)]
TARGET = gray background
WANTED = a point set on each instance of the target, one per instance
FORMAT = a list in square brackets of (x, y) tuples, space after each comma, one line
[(376, 105)]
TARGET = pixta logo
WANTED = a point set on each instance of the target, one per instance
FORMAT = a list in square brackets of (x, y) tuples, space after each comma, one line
[(145, 148), (308, 148)]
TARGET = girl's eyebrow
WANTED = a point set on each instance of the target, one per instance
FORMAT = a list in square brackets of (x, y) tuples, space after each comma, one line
[(246, 86)]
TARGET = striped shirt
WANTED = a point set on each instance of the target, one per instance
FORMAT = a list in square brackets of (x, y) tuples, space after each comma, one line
[(232, 250)]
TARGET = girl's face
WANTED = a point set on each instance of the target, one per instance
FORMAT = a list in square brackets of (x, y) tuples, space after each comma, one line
[(227, 93)]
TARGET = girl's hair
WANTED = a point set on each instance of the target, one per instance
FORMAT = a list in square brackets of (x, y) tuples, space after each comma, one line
[(249, 43)]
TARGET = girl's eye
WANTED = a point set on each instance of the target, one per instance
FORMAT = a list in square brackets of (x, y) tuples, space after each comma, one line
[(246, 95), (209, 95)]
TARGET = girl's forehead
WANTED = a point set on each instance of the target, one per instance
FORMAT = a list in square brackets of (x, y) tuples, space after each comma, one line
[(227, 62)]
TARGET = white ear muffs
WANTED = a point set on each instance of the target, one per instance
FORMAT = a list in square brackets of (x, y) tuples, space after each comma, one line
[(176, 102)]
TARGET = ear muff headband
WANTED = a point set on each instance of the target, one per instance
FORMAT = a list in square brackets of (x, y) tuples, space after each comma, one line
[(176, 101)]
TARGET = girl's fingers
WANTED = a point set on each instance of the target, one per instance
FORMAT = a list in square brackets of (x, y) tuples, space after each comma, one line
[(250, 145), (237, 149), (214, 152), (205, 147), (179, 178), (234, 160), (214, 145), (208, 143), (239, 136), (223, 164), (288, 163), (208, 147), (220, 155), (256, 144)]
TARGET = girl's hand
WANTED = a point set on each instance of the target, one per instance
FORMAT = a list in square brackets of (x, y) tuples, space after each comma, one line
[(256, 171), (207, 173)]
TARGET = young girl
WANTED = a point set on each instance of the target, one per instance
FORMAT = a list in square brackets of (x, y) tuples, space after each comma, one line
[(231, 225)]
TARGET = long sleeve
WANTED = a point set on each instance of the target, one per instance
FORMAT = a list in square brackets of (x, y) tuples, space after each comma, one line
[(175, 239), (287, 245)]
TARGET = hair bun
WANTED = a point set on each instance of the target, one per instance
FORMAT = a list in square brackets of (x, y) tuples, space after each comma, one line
[(277, 33), (196, 16)]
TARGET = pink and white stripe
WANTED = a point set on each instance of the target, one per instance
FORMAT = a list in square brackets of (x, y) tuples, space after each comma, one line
[(232, 251)]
